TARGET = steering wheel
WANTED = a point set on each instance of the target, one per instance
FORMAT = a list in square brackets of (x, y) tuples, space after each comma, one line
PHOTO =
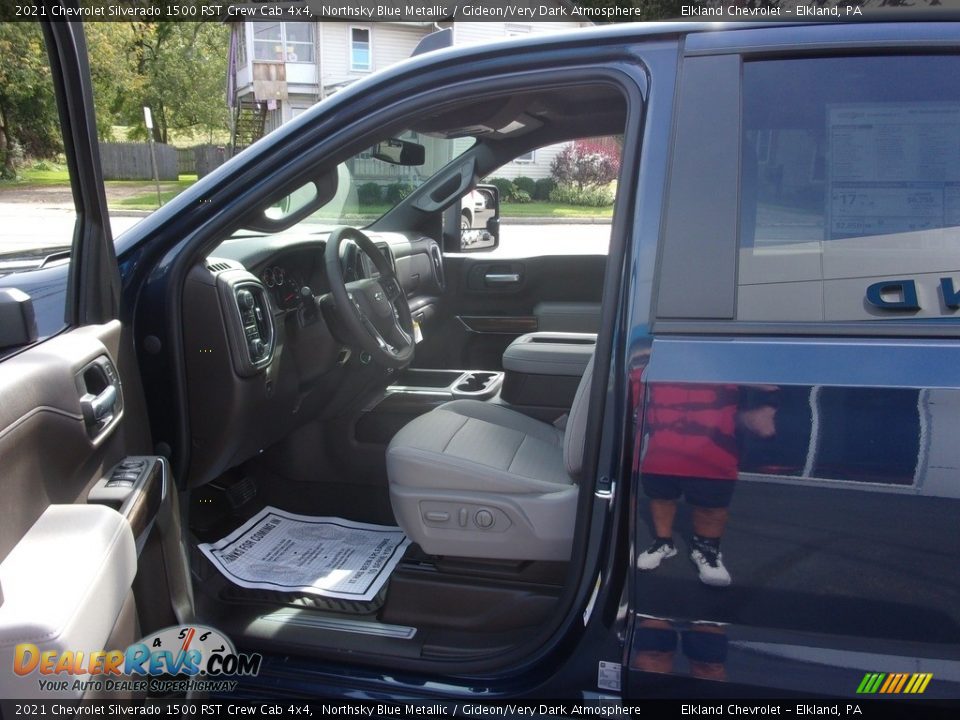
[(373, 311)]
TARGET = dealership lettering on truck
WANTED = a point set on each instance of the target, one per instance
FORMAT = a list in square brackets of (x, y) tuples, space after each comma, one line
[(903, 295)]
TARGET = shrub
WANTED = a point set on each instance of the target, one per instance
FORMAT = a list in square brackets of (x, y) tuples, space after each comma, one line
[(527, 184), (509, 192), (369, 194), (586, 164), (542, 188), (506, 188), (591, 196), (397, 191), (42, 166)]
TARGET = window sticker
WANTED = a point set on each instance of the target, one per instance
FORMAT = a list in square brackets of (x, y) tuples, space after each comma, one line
[(893, 168)]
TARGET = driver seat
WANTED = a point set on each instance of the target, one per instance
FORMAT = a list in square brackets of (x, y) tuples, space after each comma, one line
[(474, 479)]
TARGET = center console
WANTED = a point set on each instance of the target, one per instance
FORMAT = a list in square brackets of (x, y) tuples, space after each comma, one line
[(543, 370), (452, 384), (416, 391)]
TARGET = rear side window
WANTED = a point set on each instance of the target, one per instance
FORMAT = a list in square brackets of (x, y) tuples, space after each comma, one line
[(37, 214), (850, 189)]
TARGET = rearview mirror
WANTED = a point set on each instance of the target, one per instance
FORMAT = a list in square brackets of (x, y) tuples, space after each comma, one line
[(399, 152), (480, 219)]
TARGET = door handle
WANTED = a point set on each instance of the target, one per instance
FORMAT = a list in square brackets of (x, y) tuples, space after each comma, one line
[(502, 278), (97, 407), (101, 395)]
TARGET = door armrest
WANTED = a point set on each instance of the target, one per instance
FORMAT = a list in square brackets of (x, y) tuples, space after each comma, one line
[(64, 585)]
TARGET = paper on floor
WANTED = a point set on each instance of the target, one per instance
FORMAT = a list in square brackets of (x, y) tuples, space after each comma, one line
[(326, 556)]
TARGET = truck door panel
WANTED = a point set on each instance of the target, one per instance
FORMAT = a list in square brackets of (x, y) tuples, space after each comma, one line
[(491, 301), (815, 428)]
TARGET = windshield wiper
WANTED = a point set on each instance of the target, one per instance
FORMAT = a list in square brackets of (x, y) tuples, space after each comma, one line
[(32, 258)]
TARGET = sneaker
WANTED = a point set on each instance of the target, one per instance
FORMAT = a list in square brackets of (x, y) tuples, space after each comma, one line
[(651, 558), (709, 562)]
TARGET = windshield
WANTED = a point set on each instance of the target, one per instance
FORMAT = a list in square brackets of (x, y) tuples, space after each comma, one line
[(368, 187)]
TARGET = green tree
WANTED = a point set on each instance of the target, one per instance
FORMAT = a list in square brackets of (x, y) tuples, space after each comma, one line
[(29, 125), (112, 72), (586, 164), (179, 71)]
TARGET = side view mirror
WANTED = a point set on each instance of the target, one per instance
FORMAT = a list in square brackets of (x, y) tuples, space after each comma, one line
[(480, 219)]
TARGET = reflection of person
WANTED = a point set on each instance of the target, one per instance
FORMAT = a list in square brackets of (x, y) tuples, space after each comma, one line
[(692, 450), (703, 644)]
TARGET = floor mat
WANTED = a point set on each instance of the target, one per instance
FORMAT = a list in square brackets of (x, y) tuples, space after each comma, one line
[(325, 556), (234, 594)]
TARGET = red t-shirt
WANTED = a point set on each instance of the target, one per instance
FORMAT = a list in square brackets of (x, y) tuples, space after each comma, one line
[(691, 431)]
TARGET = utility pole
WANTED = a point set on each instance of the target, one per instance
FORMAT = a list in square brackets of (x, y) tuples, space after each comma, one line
[(148, 119)]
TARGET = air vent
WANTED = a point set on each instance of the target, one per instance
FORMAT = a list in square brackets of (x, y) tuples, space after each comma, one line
[(388, 254), (247, 308), (256, 321), (217, 267), (437, 262)]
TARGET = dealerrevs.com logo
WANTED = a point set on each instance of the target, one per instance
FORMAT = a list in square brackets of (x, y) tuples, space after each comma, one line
[(155, 663)]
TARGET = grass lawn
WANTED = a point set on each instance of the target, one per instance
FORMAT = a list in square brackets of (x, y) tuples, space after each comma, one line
[(30, 177), (553, 210), (507, 210), (177, 138), (373, 211), (147, 200)]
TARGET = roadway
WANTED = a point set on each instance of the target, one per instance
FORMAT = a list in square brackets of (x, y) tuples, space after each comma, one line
[(24, 226)]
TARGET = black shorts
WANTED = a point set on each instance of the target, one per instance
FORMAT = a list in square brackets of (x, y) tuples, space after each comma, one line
[(701, 492)]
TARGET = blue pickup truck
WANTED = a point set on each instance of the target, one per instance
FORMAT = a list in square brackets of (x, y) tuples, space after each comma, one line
[(718, 457)]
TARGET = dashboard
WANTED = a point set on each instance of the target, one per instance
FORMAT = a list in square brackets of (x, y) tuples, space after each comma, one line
[(284, 284), (263, 352), (293, 276)]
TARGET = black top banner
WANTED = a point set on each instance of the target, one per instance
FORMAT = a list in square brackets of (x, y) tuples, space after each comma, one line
[(441, 11)]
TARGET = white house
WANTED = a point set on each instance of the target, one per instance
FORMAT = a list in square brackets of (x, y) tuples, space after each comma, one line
[(278, 70)]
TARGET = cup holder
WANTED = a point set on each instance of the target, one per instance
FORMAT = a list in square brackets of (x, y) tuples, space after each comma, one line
[(475, 382)]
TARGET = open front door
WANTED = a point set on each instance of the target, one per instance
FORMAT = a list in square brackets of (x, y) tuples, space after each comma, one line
[(85, 502)]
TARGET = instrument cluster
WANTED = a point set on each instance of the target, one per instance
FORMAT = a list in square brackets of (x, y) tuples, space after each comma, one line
[(285, 285)]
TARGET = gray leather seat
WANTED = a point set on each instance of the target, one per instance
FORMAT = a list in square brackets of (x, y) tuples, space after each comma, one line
[(473, 479)]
